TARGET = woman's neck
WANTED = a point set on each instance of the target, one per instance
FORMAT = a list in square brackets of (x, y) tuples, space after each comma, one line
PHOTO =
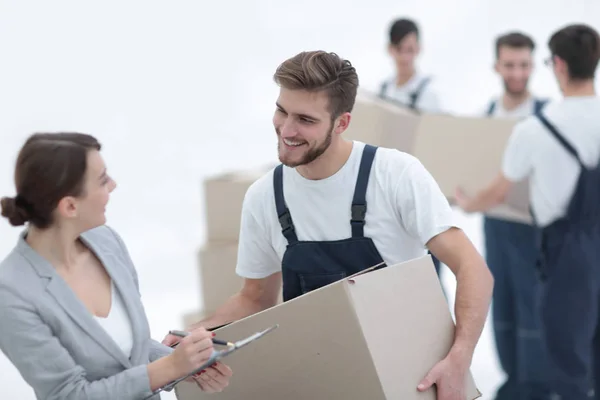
[(58, 245)]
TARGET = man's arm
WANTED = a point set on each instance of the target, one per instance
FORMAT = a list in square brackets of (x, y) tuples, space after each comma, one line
[(257, 262), (473, 291), (493, 195), (256, 295), (516, 166)]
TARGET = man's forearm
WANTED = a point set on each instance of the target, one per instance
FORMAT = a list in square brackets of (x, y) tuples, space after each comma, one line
[(236, 308), (473, 296)]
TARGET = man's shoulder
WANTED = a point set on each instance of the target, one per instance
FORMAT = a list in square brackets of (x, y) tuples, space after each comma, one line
[(389, 157), (260, 190)]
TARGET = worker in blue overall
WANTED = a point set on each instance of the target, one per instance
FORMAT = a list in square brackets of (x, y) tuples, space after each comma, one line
[(558, 149), (409, 87), (511, 247), (334, 207)]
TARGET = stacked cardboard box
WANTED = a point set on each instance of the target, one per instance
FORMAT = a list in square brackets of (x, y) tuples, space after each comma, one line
[(457, 151), (224, 196)]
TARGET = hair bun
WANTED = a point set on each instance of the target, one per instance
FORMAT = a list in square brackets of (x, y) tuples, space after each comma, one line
[(15, 213)]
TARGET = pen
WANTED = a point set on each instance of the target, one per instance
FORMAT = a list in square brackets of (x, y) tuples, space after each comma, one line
[(183, 334)]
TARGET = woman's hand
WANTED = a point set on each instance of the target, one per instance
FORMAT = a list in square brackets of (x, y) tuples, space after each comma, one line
[(192, 351), (215, 378)]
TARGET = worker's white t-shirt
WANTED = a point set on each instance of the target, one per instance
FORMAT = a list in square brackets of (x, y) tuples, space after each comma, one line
[(427, 101), (533, 151), (405, 209), (524, 109)]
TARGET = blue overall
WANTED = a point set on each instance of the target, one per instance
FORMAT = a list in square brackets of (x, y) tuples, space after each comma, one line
[(570, 297), (414, 96), (511, 254), (309, 265)]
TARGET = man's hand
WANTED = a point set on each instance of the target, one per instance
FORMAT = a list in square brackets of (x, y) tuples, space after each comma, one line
[(450, 377), (462, 200)]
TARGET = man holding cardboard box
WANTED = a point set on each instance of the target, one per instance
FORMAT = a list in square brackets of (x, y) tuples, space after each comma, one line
[(307, 222), (558, 149), (510, 247)]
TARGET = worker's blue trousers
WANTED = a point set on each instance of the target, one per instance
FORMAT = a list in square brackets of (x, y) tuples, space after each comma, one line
[(511, 253)]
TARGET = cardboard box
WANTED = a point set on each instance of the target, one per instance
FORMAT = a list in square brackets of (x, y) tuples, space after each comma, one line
[(371, 336), (224, 196), (217, 274), (467, 152), (218, 279), (457, 151), (382, 123)]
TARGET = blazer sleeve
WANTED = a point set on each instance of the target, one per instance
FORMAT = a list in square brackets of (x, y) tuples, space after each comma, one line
[(157, 349), (48, 367)]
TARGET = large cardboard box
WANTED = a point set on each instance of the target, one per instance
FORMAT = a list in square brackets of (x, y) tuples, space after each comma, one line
[(371, 336), (457, 151), (224, 196)]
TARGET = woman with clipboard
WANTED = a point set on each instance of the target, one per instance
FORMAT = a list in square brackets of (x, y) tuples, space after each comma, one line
[(73, 323)]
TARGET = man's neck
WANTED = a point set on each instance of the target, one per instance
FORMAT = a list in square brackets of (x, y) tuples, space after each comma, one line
[(512, 101), (579, 89), (403, 76), (329, 162)]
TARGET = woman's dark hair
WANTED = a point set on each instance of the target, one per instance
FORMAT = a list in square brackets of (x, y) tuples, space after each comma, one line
[(49, 167)]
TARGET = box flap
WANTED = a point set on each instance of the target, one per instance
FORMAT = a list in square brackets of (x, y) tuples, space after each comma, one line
[(407, 325)]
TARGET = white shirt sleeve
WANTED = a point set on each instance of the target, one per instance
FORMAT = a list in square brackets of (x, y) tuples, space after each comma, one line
[(423, 208), (257, 258), (517, 159)]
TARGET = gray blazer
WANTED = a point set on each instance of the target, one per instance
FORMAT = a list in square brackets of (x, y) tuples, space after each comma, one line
[(55, 342)]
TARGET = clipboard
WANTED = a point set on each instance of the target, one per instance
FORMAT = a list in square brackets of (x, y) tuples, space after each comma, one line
[(215, 356)]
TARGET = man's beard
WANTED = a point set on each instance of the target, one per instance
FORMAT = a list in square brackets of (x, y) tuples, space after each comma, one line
[(311, 155), (514, 93)]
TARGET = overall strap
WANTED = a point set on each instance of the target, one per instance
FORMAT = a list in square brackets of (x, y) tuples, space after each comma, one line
[(283, 214), (491, 108), (538, 105), (559, 137), (359, 202), (414, 96), (383, 89)]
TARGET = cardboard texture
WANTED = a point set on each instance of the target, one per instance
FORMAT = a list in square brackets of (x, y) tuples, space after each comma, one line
[(382, 123), (217, 274), (224, 196), (371, 336), (218, 278), (457, 151), (467, 152)]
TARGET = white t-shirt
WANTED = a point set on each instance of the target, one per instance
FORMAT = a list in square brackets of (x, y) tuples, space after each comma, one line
[(533, 151), (427, 100), (117, 324), (406, 208), (524, 109)]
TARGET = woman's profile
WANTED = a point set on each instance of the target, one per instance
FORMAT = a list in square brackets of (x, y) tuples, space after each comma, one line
[(73, 323)]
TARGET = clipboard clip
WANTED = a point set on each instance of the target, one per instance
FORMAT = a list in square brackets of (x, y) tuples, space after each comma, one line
[(216, 356)]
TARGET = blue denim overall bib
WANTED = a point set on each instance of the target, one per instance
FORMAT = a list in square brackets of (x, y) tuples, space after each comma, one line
[(309, 265)]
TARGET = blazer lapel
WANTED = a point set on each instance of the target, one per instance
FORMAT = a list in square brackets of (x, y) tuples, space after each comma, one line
[(66, 298), (127, 290), (63, 294)]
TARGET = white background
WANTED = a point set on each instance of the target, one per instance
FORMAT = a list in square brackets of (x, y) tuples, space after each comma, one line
[(178, 90)]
